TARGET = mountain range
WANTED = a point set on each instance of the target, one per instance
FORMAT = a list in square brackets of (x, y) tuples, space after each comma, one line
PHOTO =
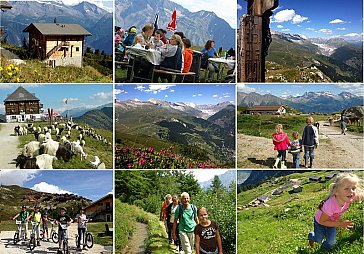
[(161, 123), (197, 26), (97, 21), (301, 59), (321, 102), (226, 179)]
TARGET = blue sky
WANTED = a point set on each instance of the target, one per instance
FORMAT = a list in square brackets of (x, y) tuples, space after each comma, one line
[(91, 184), (54, 95), (315, 18), (197, 94), (300, 89)]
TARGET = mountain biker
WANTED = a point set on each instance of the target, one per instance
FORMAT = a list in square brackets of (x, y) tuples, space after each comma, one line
[(63, 219), (81, 220), (37, 217), (23, 217)]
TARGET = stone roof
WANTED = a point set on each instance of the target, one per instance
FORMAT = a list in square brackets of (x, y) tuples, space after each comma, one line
[(266, 108), (20, 94), (58, 29), (5, 5)]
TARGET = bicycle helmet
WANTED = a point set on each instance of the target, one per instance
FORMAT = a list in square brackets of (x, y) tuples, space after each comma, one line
[(64, 209)]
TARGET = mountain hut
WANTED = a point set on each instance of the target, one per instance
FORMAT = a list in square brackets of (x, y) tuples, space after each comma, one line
[(267, 110), (60, 44)]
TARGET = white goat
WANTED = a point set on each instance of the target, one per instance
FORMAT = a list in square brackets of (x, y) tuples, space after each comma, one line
[(45, 161), (31, 149)]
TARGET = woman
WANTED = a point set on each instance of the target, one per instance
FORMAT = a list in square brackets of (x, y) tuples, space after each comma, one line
[(209, 52)]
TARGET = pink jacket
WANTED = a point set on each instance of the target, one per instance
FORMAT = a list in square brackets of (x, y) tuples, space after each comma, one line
[(280, 141)]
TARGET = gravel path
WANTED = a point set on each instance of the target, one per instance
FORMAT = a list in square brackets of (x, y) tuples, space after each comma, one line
[(7, 246), (9, 145), (136, 245), (335, 150)]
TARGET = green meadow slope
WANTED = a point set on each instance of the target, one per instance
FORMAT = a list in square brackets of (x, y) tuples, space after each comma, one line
[(283, 225)]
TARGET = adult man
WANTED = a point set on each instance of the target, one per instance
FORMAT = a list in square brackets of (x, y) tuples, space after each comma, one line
[(186, 213)]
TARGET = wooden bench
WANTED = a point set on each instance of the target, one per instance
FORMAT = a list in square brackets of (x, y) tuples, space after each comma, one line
[(175, 74)]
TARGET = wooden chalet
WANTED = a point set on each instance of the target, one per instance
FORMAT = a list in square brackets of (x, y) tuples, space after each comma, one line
[(263, 198), (22, 106), (314, 178), (330, 176), (101, 210), (60, 44), (267, 110), (297, 188)]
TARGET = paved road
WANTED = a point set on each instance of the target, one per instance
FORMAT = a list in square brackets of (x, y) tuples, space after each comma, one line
[(9, 145), (7, 246)]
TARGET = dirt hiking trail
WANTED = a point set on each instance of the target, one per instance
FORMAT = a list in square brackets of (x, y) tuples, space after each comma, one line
[(334, 151), (136, 245), (8, 145), (7, 245)]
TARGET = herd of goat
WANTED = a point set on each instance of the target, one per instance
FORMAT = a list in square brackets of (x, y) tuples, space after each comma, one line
[(41, 153)]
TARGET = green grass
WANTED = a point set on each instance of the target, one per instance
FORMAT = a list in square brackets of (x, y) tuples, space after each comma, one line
[(99, 227), (263, 126), (93, 147), (283, 226), (126, 216)]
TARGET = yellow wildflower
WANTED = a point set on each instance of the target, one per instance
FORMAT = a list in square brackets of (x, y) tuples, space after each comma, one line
[(10, 74), (18, 80), (16, 69)]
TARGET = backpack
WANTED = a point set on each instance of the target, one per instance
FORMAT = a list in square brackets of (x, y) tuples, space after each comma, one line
[(204, 59), (194, 210)]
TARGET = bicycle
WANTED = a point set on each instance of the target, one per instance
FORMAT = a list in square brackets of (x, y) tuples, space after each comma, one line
[(88, 240), (32, 242), (20, 231), (64, 228), (53, 234)]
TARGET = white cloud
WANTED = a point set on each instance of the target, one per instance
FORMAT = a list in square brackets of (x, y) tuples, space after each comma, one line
[(157, 88), (239, 7), (245, 88), (284, 15), (226, 96), (136, 99), (357, 89), (286, 30), (171, 90), (311, 29), (280, 26), (70, 100), (199, 95), (298, 19), (166, 96), (352, 35), (104, 97), (17, 177), (119, 91), (140, 88), (194, 95), (325, 31), (50, 188), (337, 21), (341, 28), (215, 96)]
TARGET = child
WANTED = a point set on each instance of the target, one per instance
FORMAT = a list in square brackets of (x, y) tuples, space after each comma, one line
[(138, 41), (45, 220), (207, 234), (37, 217), (310, 141), (295, 148), (343, 190), (24, 219), (281, 142), (63, 218), (156, 39), (81, 220)]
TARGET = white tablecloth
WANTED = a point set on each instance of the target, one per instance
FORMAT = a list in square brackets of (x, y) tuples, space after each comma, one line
[(228, 62), (151, 55)]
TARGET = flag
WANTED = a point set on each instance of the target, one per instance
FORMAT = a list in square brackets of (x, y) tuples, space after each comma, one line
[(66, 101), (156, 22), (172, 25)]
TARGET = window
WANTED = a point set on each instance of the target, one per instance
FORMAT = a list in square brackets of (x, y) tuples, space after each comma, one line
[(77, 49), (100, 204), (13, 117)]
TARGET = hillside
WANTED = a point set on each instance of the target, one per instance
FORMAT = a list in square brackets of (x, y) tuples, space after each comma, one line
[(152, 124), (197, 26), (98, 118), (12, 197), (96, 20), (293, 58), (281, 225)]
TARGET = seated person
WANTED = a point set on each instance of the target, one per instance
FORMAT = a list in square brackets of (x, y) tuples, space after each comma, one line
[(156, 39), (130, 37), (187, 55), (209, 52), (171, 56), (147, 32)]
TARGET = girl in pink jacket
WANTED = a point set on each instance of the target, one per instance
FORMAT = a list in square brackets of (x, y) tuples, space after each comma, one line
[(281, 143)]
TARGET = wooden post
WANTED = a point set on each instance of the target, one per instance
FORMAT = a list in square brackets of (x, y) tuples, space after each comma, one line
[(254, 40)]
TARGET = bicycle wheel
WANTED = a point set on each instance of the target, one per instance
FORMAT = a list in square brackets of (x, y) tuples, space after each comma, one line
[(77, 240), (16, 237), (89, 240), (65, 247), (54, 237), (32, 243)]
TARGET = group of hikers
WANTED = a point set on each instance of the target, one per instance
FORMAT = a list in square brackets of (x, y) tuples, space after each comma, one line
[(188, 227), (42, 218), (176, 52)]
